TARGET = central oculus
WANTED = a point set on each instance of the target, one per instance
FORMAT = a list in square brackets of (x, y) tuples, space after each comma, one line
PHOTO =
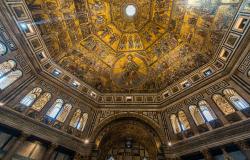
[(130, 10)]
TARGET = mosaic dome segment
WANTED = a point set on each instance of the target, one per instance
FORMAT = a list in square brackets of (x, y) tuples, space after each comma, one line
[(135, 46)]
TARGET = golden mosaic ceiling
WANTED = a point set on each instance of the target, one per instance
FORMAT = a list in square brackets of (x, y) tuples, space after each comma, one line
[(115, 49)]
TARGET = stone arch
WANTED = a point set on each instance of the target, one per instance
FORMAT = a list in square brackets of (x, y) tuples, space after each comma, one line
[(156, 127), (117, 128)]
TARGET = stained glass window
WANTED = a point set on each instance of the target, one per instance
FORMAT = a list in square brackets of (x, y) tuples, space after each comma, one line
[(31, 97), (223, 104), (41, 102), (55, 109)]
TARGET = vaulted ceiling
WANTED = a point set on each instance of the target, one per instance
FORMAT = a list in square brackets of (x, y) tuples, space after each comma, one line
[(112, 51)]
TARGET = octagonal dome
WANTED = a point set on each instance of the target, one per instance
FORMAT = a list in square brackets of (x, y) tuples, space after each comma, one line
[(161, 41)]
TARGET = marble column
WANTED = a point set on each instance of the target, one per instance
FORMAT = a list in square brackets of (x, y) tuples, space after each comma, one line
[(207, 155), (49, 151), (244, 147), (209, 126), (242, 116), (13, 149), (226, 155)]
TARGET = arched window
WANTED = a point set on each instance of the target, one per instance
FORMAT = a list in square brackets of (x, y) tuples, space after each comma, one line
[(196, 114), (236, 99), (41, 102), (223, 104), (82, 122), (31, 97), (175, 123), (75, 119), (55, 109), (64, 112), (9, 78), (206, 111), (183, 121), (6, 67)]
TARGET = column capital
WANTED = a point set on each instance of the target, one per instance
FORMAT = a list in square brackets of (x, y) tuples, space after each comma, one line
[(226, 155), (207, 154)]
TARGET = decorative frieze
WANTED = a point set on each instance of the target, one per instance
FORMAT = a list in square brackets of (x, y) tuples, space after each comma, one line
[(245, 65), (194, 99), (47, 87), (22, 62), (217, 87), (6, 38)]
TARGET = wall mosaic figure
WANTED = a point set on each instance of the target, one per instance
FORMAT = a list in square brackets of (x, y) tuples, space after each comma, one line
[(223, 104), (41, 102), (7, 77), (30, 98), (175, 39), (64, 112), (196, 114)]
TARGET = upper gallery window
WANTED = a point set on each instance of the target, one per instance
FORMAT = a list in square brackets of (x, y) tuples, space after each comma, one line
[(236, 99), (8, 74)]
